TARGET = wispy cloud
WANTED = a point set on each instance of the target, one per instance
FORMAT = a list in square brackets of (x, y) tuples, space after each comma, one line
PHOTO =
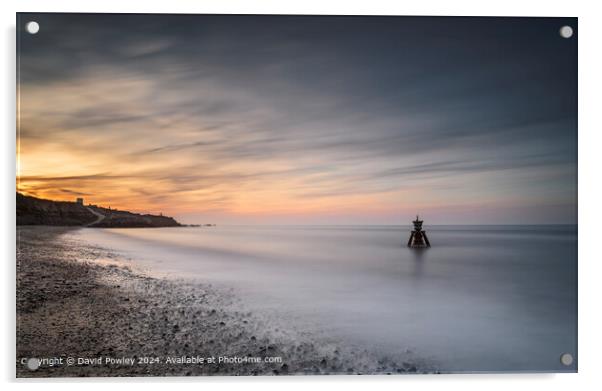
[(294, 115)]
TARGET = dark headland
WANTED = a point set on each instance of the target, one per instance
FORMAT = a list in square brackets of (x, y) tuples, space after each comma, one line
[(38, 211)]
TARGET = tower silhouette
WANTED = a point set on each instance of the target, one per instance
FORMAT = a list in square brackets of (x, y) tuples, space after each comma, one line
[(418, 238)]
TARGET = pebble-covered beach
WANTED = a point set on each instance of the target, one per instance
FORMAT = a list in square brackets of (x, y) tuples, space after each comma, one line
[(81, 312)]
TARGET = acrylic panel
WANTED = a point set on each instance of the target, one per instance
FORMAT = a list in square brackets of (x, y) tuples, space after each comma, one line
[(295, 195)]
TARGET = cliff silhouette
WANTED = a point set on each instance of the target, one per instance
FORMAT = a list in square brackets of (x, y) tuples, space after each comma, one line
[(38, 211)]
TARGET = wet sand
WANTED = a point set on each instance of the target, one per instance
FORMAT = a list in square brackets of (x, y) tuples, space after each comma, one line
[(77, 302)]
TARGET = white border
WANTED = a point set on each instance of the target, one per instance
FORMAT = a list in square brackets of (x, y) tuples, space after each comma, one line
[(590, 165)]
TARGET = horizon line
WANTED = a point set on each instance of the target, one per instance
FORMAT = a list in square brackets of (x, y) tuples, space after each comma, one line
[(376, 225)]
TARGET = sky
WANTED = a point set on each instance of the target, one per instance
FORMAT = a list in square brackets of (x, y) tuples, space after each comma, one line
[(302, 120)]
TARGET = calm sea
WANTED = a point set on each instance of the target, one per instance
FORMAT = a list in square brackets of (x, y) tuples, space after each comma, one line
[(482, 298)]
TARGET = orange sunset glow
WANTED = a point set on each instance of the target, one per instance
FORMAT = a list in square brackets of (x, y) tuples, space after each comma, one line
[(197, 126)]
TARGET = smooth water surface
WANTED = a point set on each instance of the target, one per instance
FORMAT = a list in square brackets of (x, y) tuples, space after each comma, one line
[(483, 298)]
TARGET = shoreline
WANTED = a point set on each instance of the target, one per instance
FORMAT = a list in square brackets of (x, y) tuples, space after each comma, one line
[(75, 296)]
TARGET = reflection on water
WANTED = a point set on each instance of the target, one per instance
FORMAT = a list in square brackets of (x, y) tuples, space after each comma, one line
[(418, 256), (482, 298)]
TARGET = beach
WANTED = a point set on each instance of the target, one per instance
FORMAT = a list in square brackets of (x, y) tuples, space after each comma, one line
[(81, 311), (277, 300)]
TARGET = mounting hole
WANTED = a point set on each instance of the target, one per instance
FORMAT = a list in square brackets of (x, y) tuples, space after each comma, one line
[(33, 364), (566, 32), (566, 359), (32, 27)]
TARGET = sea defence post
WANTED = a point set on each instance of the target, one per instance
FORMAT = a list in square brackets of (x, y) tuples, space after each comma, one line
[(418, 238)]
